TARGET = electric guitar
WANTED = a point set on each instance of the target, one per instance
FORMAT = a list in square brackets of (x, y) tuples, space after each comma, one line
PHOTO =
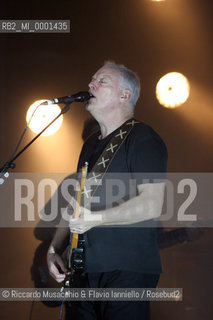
[(76, 250)]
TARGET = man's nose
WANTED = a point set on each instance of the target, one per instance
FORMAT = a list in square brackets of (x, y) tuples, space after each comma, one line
[(93, 85)]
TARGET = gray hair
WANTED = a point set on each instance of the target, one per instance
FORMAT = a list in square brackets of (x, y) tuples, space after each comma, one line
[(129, 80)]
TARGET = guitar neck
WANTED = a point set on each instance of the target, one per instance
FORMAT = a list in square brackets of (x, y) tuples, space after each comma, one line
[(73, 243), (79, 193)]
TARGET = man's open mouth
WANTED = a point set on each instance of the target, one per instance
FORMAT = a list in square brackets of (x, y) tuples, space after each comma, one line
[(92, 96)]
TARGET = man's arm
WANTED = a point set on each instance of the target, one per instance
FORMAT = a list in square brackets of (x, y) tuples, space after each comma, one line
[(146, 205)]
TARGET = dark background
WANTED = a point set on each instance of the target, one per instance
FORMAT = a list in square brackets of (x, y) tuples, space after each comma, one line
[(152, 38)]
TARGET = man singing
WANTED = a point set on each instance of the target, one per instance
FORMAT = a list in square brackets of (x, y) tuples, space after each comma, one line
[(124, 255)]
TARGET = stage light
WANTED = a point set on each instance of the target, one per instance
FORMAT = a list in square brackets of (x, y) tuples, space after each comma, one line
[(42, 117), (172, 90)]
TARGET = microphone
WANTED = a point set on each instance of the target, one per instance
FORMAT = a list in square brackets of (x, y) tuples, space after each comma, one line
[(77, 97)]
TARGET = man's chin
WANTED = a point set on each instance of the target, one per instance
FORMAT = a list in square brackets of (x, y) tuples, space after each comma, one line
[(89, 105)]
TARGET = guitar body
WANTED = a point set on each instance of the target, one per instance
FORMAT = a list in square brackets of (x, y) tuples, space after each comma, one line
[(75, 277)]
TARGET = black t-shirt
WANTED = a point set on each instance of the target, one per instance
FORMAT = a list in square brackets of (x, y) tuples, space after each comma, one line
[(127, 248)]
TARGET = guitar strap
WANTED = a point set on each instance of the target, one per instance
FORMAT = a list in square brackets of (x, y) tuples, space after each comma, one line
[(102, 164), (96, 175)]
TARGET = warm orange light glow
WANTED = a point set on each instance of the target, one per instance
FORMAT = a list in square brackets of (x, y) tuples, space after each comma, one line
[(172, 90), (42, 117)]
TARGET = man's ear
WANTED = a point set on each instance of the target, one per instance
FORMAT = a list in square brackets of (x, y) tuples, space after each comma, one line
[(125, 95)]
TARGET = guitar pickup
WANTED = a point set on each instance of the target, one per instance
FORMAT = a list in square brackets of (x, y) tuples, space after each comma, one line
[(78, 250), (78, 258)]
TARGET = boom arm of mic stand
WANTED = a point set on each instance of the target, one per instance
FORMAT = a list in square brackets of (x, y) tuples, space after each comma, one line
[(10, 164)]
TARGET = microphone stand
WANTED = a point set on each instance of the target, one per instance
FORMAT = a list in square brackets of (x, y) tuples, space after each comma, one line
[(10, 164)]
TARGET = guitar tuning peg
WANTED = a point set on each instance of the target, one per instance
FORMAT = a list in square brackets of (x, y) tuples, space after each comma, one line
[(6, 175), (1, 181)]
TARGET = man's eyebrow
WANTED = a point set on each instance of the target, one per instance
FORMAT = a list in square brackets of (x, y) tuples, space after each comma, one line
[(102, 75), (106, 76)]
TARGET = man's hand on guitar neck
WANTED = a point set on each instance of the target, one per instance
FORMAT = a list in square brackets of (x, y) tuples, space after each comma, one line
[(85, 221)]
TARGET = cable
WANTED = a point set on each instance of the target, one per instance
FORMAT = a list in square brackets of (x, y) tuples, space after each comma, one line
[(6, 165), (31, 310), (61, 310)]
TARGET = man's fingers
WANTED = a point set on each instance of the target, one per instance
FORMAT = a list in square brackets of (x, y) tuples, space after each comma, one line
[(61, 264), (59, 277), (54, 262), (81, 230), (77, 230)]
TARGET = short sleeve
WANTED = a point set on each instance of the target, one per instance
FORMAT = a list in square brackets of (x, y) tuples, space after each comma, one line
[(147, 153)]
